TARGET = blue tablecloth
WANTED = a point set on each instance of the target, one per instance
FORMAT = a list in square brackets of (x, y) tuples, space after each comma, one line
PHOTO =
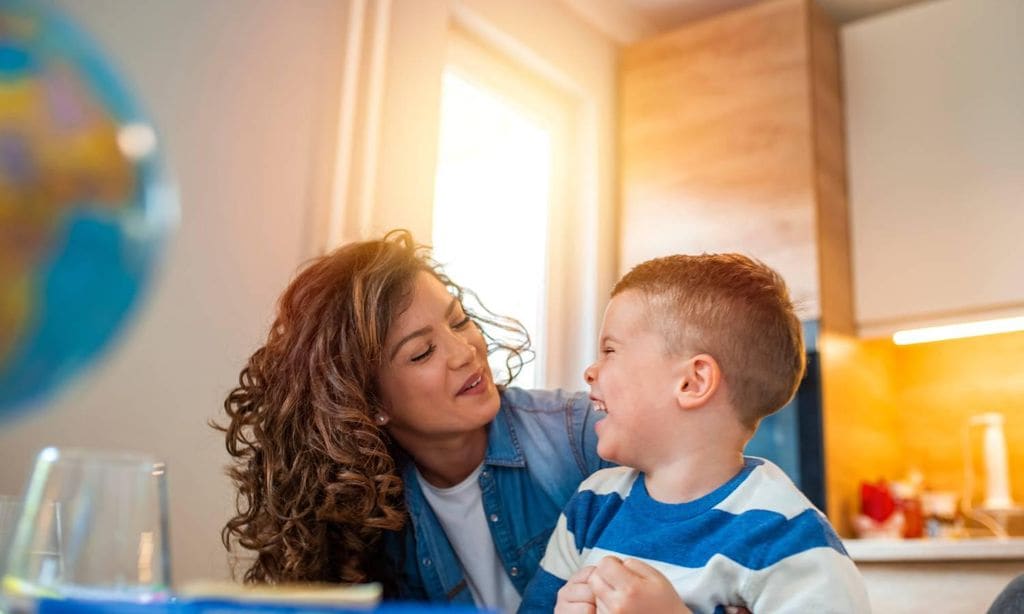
[(224, 606)]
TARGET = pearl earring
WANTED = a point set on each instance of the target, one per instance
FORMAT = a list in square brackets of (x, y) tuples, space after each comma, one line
[(382, 419)]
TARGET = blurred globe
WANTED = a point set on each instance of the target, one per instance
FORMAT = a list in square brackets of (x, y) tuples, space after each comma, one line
[(83, 211)]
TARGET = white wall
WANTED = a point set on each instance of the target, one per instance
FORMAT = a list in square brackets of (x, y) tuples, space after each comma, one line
[(244, 93)]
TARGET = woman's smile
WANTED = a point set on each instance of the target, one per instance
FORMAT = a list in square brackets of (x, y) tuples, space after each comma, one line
[(473, 384)]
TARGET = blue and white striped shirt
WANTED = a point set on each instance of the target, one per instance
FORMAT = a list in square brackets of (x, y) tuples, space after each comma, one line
[(754, 541)]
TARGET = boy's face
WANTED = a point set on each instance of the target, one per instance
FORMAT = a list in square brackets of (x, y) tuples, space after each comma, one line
[(635, 381)]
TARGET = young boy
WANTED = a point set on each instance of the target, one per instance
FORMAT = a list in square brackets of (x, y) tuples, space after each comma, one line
[(694, 351)]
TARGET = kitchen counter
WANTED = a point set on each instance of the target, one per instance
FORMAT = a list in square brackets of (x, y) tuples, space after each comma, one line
[(967, 549)]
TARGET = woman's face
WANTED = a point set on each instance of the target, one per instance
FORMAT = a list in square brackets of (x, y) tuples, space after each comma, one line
[(435, 382)]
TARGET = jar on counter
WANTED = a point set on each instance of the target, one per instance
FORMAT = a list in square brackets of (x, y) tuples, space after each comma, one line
[(908, 501)]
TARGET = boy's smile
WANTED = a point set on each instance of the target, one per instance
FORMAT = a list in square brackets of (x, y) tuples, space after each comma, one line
[(633, 381)]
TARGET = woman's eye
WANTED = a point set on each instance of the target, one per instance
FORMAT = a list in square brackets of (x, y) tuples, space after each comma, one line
[(424, 355), (461, 323)]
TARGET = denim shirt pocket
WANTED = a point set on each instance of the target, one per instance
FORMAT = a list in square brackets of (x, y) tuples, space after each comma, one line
[(533, 549)]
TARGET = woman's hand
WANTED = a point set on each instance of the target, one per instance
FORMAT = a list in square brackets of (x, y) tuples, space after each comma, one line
[(630, 586), (576, 597)]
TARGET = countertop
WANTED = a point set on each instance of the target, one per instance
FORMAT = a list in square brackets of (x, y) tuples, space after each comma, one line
[(935, 549)]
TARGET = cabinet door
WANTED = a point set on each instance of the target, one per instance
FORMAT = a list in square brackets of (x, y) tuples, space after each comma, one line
[(935, 118)]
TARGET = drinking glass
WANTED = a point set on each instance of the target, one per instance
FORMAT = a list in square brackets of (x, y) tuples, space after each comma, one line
[(93, 526), (10, 511)]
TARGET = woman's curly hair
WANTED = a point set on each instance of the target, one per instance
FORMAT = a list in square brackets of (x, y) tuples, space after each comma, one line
[(317, 478)]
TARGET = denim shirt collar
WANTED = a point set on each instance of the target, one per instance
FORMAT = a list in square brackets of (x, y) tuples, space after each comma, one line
[(502, 445)]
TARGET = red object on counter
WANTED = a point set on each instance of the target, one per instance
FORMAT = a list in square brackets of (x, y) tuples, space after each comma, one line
[(876, 502), (913, 517)]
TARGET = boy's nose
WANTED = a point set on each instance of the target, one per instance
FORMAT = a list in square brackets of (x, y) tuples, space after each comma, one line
[(590, 374)]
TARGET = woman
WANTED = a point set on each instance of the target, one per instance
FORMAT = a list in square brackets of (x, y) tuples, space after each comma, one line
[(371, 443)]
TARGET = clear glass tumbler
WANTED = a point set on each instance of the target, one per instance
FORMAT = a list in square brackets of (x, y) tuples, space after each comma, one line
[(93, 526)]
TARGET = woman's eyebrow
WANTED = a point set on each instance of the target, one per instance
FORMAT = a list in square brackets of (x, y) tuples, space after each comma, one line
[(422, 331), (416, 333)]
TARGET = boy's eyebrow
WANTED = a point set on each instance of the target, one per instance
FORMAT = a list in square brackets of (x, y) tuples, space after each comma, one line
[(421, 331), (608, 338)]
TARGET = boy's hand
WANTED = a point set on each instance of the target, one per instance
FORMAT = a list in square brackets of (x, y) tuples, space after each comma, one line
[(576, 597), (621, 587)]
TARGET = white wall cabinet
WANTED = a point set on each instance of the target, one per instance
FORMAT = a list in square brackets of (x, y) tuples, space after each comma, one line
[(935, 132)]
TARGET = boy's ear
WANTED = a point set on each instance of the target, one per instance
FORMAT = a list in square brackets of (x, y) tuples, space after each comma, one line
[(701, 378)]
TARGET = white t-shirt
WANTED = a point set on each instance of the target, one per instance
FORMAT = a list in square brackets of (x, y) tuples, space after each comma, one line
[(460, 509)]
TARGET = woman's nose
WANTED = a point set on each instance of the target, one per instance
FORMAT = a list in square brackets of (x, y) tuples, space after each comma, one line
[(463, 351), (590, 374)]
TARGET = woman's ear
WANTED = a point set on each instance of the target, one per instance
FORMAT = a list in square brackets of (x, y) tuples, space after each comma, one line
[(701, 378)]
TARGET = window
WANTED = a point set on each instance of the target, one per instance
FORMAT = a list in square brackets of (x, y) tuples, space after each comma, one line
[(498, 187)]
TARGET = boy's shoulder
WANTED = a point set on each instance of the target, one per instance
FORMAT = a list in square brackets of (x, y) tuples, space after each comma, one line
[(771, 513), (766, 487)]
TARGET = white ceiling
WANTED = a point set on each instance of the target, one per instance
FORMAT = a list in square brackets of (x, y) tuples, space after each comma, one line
[(627, 21)]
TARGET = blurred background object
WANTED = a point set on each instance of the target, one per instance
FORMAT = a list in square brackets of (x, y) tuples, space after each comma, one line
[(84, 211), (93, 525)]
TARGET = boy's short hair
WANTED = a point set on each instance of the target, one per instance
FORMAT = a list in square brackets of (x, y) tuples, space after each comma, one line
[(735, 309)]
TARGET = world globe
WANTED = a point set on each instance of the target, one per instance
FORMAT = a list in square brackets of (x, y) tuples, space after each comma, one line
[(84, 212)]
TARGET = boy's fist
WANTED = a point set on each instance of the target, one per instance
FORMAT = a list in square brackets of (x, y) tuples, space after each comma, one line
[(576, 597), (631, 586)]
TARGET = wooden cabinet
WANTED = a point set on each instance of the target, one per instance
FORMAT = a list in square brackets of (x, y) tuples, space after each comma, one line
[(935, 123), (731, 140)]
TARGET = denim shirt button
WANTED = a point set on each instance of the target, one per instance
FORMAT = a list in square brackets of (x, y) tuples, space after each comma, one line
[(485, 474), (494, 518), (427, 562), (513, 572)]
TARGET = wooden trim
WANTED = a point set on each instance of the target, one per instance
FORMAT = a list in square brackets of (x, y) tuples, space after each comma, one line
[(829, 173)]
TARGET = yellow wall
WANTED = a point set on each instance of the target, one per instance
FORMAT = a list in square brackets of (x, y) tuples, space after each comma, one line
[(889, 409), (861, 426), (940, 385)]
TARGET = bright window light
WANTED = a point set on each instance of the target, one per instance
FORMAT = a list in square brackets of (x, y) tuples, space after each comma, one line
[(958, 331), (491, 205)]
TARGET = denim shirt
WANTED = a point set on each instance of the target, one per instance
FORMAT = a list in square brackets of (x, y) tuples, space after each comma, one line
[(540, 446)]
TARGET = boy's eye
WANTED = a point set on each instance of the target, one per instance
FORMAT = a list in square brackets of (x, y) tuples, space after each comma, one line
[(423, 355)]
